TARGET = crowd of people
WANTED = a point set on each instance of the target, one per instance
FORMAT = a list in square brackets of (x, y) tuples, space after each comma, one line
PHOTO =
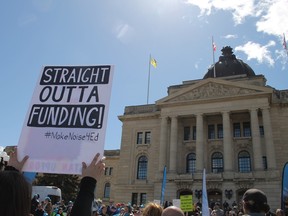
[(15, 198)]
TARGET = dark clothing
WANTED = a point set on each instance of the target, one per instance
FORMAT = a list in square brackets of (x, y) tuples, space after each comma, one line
[(34, 204), (83, 203), (39, 212)]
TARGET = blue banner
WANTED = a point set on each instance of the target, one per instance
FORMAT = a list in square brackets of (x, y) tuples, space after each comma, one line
[(163, 186), (284, 194)]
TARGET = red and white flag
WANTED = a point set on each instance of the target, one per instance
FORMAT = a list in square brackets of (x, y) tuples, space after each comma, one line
[(284, 42), (214, 46)]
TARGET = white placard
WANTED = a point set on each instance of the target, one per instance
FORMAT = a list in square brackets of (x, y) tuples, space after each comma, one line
[(66, 121)]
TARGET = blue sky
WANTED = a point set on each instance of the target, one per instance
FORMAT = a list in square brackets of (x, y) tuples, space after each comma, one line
[(177, 33)]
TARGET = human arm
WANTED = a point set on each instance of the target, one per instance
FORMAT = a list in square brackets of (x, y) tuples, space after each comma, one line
[(90, 175)]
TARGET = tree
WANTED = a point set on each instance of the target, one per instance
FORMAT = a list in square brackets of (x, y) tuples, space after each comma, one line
[(67, 183)]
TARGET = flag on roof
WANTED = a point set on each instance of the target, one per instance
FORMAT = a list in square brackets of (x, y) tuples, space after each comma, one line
[(214, 46), (153, 62), (284, 42)]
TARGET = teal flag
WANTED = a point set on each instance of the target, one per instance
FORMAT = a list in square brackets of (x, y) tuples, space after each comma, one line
[(284, 194)]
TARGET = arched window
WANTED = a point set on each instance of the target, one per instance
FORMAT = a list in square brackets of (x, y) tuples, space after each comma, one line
[(142, 167), (244, 162), (107, 190), (191, 163), (217, 162)]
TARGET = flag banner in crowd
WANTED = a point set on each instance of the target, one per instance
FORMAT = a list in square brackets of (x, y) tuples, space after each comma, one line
[(163, 185), (66, 121), (205, 206), (284, 194), (153, 62)]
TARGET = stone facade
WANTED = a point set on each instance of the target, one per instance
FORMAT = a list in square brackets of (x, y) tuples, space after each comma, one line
[(230, 124), (234, 127)]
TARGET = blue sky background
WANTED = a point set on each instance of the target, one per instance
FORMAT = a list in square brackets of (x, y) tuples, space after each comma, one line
[(177, 33)]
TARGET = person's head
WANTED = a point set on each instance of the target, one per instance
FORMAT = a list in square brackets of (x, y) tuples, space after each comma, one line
[(152, 209), (47, 199), (39, 206), (255, 201), (15, 194), (60, 211), (103, 209), (217, 205), (279, 212), (172, 211)]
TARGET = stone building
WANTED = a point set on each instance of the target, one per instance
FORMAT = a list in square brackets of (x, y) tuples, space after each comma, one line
[(229, 123)]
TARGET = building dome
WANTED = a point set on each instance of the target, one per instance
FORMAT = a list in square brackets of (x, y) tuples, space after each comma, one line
[(228, 65)]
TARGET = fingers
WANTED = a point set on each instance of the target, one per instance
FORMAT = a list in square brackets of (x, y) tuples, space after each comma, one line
[(95, 159), (24, 159), (84, 166)]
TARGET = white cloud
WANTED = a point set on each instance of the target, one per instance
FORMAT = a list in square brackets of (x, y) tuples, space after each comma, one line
[(124, 32), (258, 52), (275, 20), (230, 36), (272, 14), (239, 9)]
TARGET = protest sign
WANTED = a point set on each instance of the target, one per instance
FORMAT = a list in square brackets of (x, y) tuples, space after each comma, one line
[(66, 121), (186, 203)]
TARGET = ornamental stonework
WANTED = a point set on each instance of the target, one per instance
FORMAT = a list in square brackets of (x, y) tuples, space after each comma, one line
[(214, 90)]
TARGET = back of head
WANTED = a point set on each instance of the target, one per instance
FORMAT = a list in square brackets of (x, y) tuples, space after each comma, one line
[(15, 194), (255, 201), (152, 209), (172, 211)]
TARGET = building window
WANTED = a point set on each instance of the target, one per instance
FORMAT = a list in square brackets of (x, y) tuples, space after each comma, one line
[(147, 137), (143, 198), (244, 162), (142, 167), (261, 129), (236, 130), (139, 137), (186, 133), (211, 132), (194, 133), (134, 198), (108, 170), (217, 162), (264, 158), (107, 190), (220, 131), (246, 129), (191, 163)]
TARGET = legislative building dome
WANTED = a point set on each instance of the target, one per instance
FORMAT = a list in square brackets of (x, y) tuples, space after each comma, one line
[(228, 65)]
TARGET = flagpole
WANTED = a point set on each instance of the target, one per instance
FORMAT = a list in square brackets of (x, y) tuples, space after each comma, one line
[(214, 69), (148, 79)]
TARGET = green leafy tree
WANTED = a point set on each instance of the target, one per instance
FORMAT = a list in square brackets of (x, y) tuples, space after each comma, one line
[(67, 183)]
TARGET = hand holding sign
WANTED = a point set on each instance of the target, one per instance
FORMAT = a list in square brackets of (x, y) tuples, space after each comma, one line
[(95, 169)]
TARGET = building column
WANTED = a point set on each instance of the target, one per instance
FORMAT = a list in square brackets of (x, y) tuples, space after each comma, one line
[(256, 142), (173, 144), (227, 142), (269, 144), (163, 143), (199, 143)]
